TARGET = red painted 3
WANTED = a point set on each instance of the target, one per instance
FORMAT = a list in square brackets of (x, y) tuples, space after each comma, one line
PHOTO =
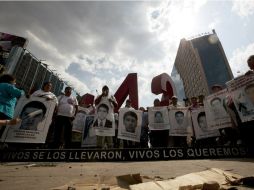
[(163, 84)]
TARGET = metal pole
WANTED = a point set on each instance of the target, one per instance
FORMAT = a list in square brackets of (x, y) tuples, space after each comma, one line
[(46, 69), (25, 75), (31, 86)]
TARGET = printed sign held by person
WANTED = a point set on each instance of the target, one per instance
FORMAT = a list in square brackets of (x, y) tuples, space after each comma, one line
[(158, 118), (242, 93), (89, 136), (104, 120), (179, 121), (216, 114), (200, 125), (36, 116), (79, 121), (130, 121)]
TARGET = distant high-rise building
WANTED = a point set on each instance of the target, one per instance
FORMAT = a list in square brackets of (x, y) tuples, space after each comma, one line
[(201, 63), (41, 76), (31, 73)]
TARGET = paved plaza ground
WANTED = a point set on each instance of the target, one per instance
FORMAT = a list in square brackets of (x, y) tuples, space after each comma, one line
[(41, 176)]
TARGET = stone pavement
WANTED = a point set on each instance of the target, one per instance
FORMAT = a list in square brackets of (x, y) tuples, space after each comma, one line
[(41, 176)]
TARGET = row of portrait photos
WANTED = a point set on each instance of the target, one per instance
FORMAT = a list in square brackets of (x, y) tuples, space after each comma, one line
[(36, 114)]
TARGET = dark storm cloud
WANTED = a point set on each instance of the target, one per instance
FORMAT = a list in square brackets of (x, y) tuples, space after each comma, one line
[(66, 25), (90, 43)]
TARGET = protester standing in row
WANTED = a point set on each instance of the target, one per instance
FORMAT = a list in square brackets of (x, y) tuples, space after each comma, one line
[(105, 99), (246, 128), (128, 143), (144, 137), (45, 92), (66, 111), (250, 62), (174, 103), (176, 141), (8, 98), (158, 138)]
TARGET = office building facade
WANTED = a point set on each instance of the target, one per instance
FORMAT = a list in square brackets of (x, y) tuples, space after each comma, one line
[(201, 63), (31, 73)]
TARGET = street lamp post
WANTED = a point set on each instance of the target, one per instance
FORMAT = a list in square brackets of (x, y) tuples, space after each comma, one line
[(44, 76)]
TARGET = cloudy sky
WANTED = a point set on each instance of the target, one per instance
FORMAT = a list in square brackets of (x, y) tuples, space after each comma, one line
[(95, 43)]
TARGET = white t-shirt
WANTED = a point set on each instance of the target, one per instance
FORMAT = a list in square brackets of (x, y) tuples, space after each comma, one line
[(105, 99), (43, 94), (66, 105)]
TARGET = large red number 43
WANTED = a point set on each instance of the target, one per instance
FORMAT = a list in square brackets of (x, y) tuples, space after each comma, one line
[(161, 84)]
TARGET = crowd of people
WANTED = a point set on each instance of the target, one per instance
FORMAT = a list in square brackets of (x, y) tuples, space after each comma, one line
[(66, 108)]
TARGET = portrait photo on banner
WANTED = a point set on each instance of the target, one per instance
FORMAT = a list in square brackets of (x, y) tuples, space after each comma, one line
[(158, 118), (79, 121), (200, 126), (179, 119), (88, 134), (104, 120), (215, 109), (36, 116), (130, 122), (242, 92)]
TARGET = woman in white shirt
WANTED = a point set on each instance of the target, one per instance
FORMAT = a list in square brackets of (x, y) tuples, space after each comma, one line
[(45, 92)]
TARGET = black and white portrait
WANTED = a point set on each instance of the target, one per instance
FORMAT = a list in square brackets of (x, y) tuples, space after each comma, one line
[(88, 134), (36, 116), (200, 126), (102, 121), (158, 118), (179, 117), (32, 114), (179, 121), (215, 109), (130, 122)]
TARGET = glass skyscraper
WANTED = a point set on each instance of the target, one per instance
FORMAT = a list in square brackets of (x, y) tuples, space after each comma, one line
[(201, 62)]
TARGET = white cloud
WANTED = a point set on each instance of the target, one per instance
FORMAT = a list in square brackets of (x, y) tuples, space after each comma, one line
[(243, 8), (214, 24), (96, 84), (96, 43), (74, 82), (149, 59), (53, 57), (45, 46), (144, 85), (174, 20), (238, 61)]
